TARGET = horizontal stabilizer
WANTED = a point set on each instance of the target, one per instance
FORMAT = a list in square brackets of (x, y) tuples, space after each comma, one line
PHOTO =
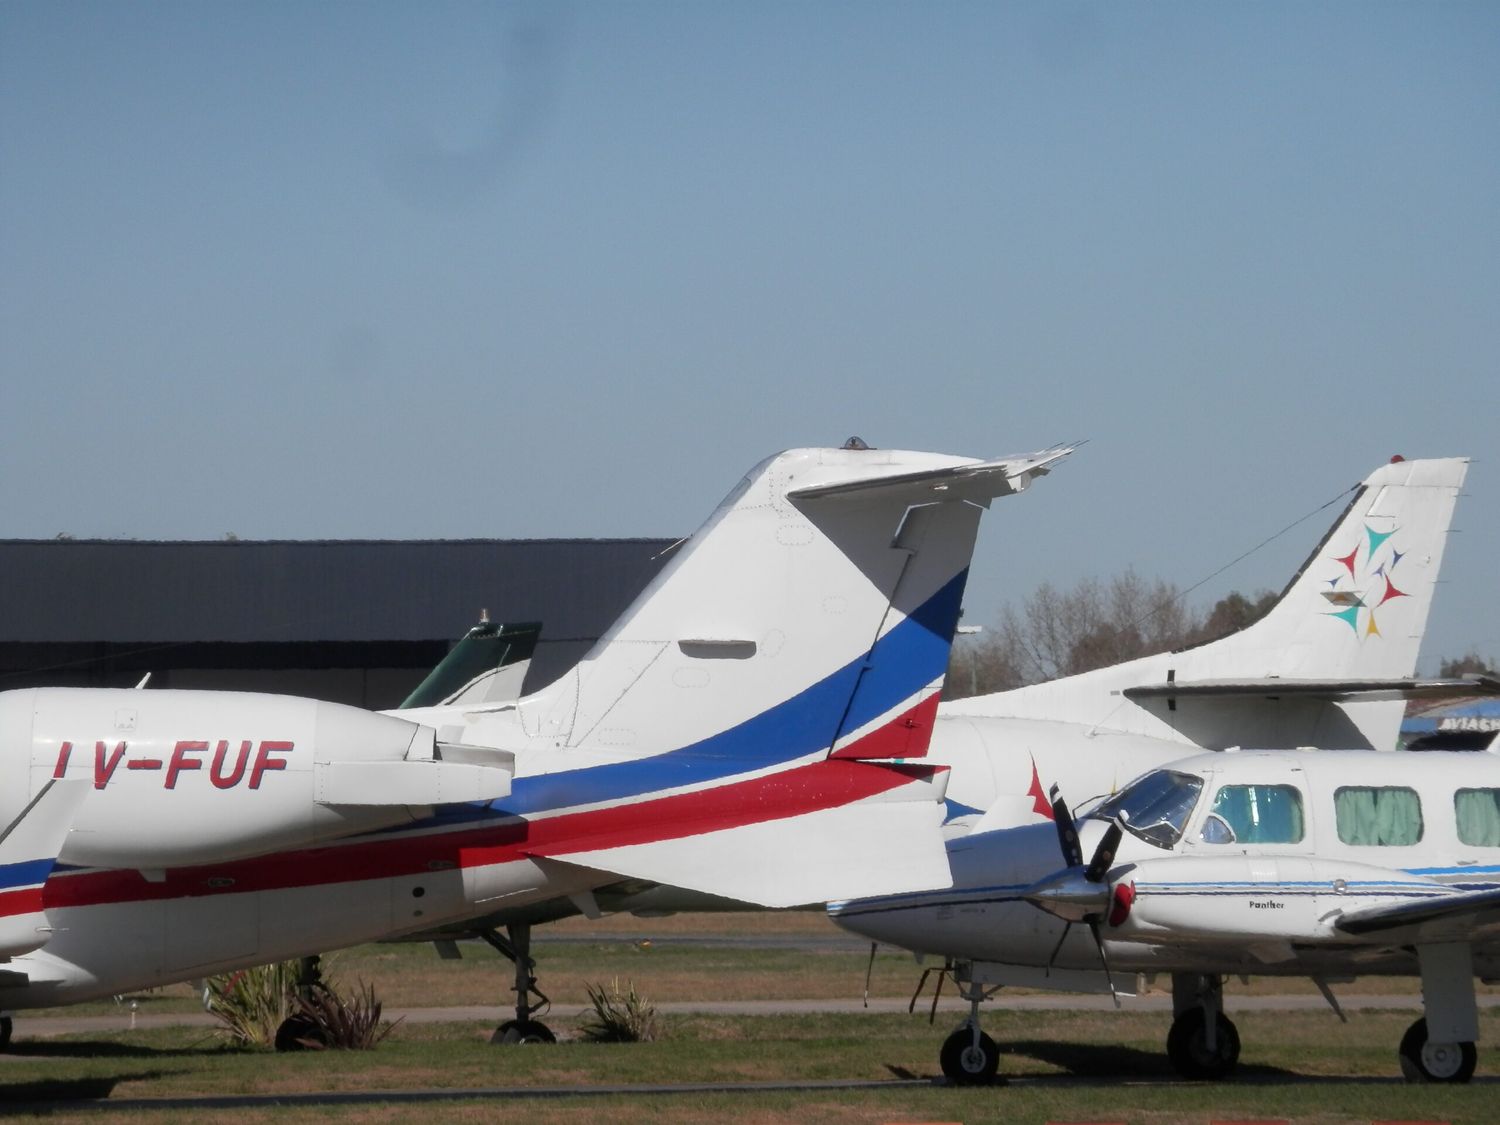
[(888, 845), (29, 848), (431, 782), (978, 481), (1331, 690)]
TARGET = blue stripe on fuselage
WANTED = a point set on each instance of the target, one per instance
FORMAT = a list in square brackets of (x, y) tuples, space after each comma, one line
[(27, 873)]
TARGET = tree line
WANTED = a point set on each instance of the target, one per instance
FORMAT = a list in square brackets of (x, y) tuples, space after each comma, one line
[(1062, 632)]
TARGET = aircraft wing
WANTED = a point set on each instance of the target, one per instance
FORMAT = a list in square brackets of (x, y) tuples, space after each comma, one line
[(978, 481), (886, 844), (1479, 909), (1335, 691)]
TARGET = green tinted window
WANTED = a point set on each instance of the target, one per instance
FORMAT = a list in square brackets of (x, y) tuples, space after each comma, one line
[(1477, 812), (1381, 817)]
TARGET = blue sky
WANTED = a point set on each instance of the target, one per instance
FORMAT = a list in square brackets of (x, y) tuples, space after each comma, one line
[(445, 270)]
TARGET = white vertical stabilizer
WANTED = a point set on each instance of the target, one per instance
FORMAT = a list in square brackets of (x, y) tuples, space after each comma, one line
[(1355, 612), (820, 597)]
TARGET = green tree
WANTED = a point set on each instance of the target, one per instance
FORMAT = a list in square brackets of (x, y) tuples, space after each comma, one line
[(1094, 624), (1469, 662), (1234, 612)]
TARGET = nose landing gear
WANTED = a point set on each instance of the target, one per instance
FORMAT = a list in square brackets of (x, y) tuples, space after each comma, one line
[(1203, 1042), (968, 1057)]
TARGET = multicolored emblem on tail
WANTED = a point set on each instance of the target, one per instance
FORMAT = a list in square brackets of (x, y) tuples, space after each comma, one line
[(1364, 583)]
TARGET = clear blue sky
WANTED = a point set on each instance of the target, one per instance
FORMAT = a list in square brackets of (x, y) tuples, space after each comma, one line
[(409, 270)]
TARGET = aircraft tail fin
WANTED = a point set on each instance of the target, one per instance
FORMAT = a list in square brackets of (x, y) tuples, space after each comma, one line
[(1347, 628), (753, 701), (811, 615), (1358, 607), (29, 847)]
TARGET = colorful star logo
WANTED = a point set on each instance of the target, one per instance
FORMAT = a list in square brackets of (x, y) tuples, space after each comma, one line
[(1369, 584)]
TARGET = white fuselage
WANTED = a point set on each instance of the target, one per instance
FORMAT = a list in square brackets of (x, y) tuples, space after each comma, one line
[(1373, 829)]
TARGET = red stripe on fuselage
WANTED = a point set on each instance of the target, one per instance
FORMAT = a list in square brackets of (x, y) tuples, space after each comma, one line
[(27, 900), (818, 785)]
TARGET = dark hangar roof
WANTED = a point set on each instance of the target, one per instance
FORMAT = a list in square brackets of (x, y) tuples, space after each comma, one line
[(85, 590)]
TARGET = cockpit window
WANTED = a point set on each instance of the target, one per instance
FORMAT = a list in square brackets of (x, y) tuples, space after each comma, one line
[(1254, 814), (1156, 806)]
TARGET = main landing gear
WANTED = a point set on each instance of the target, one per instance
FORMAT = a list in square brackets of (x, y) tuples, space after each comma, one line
[(298, 1031), (1439, 1047), (516, 945), (1203, 1042), (1422, 1060)]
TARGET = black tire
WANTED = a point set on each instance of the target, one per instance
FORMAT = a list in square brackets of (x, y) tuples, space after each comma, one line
[(1187, 1046), (295, 1031), (1422, 1061), (964, 1064), (517, 1032), (6, 1028)]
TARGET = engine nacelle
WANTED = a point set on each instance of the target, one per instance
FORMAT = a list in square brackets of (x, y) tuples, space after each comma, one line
[(1244, 898), (187, 777)]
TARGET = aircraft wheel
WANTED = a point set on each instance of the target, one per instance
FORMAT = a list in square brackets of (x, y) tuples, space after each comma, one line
[(522, 1031), (1425, 1061), (294, 1031), (1187, 1046), (6, 1027), (965, 1064)]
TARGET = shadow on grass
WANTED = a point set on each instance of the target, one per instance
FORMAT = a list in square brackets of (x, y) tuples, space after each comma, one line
[(1106, 1060), (906, 1075), (112, 1049), (13, 1095)]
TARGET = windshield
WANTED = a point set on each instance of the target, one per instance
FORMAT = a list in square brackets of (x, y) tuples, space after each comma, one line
[(1155, 807)]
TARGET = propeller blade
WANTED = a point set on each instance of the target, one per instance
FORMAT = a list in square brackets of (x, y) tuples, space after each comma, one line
[(1104, 960), (1067, 832), (1104, 854), (1056, 949), (869, 971)]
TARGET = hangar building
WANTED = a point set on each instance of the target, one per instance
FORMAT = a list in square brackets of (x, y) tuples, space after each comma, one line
[(352, 621)]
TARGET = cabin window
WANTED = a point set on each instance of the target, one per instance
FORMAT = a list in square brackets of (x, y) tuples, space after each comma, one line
[(1255, 814), (1477, 813), (1154, 807), (1380, 817)]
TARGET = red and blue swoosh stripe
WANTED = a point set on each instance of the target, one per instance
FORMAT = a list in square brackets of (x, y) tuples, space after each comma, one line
[(908, 658), (21, 886), (905, 661)]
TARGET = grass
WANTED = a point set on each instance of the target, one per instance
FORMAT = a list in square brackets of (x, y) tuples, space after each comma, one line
[(1064, 1066), (575, 952)]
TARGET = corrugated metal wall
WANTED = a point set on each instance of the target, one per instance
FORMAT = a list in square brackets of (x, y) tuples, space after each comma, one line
[(181, 603)]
